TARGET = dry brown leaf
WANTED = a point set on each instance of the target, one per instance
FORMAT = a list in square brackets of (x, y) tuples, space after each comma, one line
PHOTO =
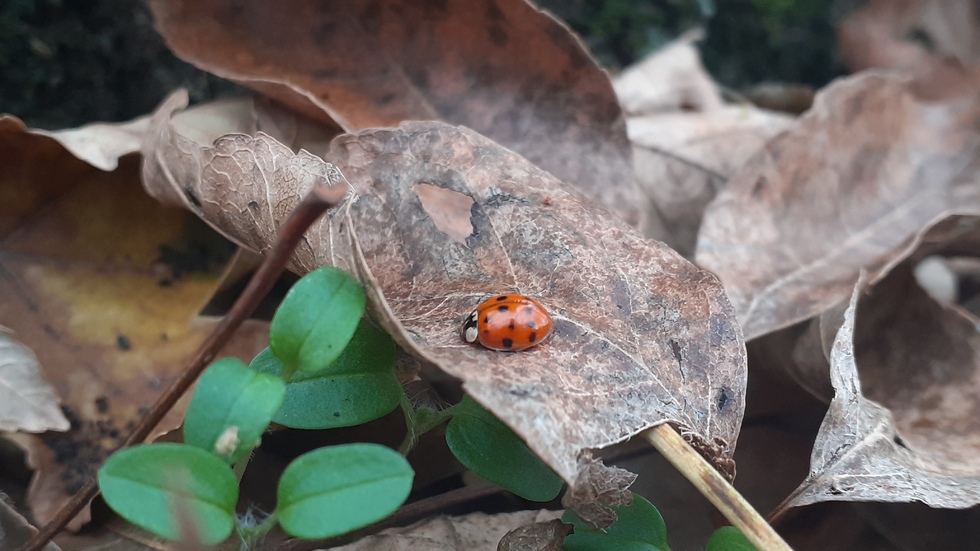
[(27, 402), (683, 159), (473, 532), (501, 67), (935, 41), (87, 288), (852, 186), (101, 145), (670, 79), (908, 429), (14, 528), (641, 336), (540, 536)]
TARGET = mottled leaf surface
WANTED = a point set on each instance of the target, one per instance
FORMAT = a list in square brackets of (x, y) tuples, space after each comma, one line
[(641, 337), (501, 67), (851, 187)]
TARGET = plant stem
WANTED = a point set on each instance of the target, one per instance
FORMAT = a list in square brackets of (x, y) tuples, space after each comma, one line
[(416, 425), (713, 486), (250, 534), (316, 202)]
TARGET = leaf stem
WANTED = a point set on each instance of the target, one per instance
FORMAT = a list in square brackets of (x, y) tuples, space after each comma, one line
[(316, 202), (713, 486), (417, 423), (250, 534)]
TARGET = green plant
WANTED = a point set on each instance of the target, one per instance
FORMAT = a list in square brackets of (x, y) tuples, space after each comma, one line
[(640, 527), (326, 367)]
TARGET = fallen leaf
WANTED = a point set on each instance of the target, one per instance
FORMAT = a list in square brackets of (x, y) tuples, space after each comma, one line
[(101, 145), (932, 41), (540, 536), (599, 489), (686, 142), (641, 336), (670, 79), (103, 285), (501, 67), (473, 532), (852, 186), (27, 402), (683, 159), (907, 430), (14, 528)]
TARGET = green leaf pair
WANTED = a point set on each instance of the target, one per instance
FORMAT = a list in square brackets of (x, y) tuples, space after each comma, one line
[(325, 367)]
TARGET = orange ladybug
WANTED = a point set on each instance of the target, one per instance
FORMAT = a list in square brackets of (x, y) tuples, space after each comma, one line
[(507, 322)]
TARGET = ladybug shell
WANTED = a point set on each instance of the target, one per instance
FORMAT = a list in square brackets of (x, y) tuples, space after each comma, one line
[(508, 323)]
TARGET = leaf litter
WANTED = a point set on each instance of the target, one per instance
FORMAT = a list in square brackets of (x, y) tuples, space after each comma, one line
[(637, 342)]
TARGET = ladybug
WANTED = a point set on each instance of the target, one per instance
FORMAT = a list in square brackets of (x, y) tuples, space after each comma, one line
[(507, 322)]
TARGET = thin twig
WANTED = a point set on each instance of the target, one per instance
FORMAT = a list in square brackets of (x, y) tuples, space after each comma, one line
[(316, 202), (713, 486)]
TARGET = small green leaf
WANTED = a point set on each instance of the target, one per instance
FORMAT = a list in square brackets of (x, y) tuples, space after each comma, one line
[(359, 387), (316, 319), (639, 528), (490, 449), (231, 407), (334, 490), (162, 487), (729, 538)]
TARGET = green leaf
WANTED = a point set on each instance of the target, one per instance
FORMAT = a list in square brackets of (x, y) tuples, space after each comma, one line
[(231, 407), (729, 538), (334, 490), (359, 387), (163, 487), (316, 319), (489, 448), (639, 528)]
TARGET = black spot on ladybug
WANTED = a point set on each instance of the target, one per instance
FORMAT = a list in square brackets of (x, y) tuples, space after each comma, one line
[(486, 319), (533, 336), (508, 343), (511, 325), (531, 325), (501, 298), (122, 341), (528, 310), (486, 331), (503, 308)]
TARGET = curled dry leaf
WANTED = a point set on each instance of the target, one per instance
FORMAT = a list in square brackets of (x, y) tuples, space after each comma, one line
[(852, 186), (501, 67), (641, 336), (27, 402), (907, 430), (103, 285), (101, 145), (601, 488)]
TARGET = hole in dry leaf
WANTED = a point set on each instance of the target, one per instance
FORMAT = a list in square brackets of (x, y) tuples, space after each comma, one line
[(448, 209)]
